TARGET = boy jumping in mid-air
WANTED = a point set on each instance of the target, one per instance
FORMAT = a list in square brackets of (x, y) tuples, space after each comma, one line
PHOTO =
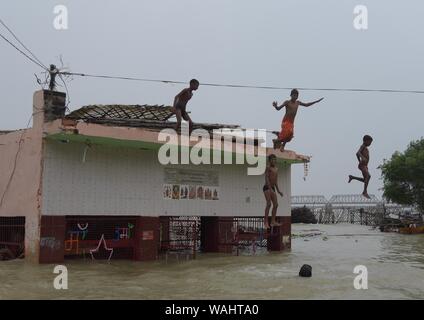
[(180, 104), (363, 156), (269, 189), (287, 125)]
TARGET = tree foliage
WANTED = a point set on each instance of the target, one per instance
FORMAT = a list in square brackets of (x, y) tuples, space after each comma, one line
[(303, 215), (403, 176)]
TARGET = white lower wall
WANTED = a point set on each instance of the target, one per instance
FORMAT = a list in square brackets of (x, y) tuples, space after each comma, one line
[(122, 181)]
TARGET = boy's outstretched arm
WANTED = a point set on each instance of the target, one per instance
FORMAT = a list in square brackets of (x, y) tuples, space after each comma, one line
[(275, 104), (308, 104)]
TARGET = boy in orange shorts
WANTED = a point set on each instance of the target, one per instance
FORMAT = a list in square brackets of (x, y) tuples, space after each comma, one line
[(287, 125)]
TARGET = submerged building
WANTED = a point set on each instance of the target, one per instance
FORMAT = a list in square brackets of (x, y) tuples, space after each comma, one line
[(90, 184)]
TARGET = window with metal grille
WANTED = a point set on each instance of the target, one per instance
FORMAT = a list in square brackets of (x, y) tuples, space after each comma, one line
[(180, 234), (12, 237), (243, 235)]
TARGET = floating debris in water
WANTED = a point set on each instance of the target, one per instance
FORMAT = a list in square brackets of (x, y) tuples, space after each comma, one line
[(305, 271), (306, 235)]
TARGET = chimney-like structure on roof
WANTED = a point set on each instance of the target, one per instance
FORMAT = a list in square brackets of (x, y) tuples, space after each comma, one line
[(48, 106)]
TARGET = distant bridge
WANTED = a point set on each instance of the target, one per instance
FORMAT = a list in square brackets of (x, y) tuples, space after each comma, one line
[(349, 208)]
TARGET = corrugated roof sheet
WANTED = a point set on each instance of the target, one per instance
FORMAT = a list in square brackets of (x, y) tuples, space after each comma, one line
[(122, 112), (146, 116)]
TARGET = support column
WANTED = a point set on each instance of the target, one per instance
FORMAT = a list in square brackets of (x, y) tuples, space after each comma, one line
[(44, 235), (279, 238), (52, 239), (147, 238)]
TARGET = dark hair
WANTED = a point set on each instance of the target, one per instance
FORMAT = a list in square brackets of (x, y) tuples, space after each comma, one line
[(294, 91), (272, 156), (367, 138), (194, 81)]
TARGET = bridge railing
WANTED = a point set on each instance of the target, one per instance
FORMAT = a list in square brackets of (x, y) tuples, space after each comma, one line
[(350, 208)]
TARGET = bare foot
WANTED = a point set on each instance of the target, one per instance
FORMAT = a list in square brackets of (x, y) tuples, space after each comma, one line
[(366, 195), (266, 225), (350, 178), (277, 143), (275, 224)]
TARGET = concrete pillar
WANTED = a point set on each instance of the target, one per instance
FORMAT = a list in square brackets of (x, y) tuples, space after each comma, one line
[(279, 238), (52, 239), (47, 106), (147, 238)]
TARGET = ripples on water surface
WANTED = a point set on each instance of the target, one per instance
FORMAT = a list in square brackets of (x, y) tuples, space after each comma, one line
[(395, 271)]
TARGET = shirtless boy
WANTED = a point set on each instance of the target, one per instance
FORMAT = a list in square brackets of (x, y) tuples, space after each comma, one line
[(269, 189), (180, 104), (363, 156), (287, 125)]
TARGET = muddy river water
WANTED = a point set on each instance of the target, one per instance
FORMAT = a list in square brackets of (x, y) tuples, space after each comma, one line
[(395, 265)]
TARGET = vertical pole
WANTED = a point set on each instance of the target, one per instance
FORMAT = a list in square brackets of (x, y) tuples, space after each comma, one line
[(194, 239)]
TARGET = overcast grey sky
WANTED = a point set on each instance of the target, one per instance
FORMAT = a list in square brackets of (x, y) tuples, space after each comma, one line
[(298, 43)]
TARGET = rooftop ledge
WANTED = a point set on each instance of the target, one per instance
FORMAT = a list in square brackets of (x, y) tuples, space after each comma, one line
[(147, 139)]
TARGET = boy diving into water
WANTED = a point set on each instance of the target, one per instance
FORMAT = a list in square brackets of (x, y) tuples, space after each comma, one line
[(363, 156), (269, 189), (287, 125)]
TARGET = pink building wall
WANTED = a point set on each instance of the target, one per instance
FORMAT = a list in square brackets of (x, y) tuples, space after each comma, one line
[(22, 156), (23, 195)]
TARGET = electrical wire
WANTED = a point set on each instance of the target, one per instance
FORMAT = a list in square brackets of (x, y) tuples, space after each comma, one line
[(68, 98), (37, 61), (23, 53), (40, 64), (22, 44), (243, 86)]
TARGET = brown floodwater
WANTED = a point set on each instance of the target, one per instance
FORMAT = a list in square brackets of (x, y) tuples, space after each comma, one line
[(395, 266)]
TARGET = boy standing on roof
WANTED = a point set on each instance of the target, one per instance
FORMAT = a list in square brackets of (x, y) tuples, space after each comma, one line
[(287, 125), (180, 104), (363, 156), (270, 188)]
